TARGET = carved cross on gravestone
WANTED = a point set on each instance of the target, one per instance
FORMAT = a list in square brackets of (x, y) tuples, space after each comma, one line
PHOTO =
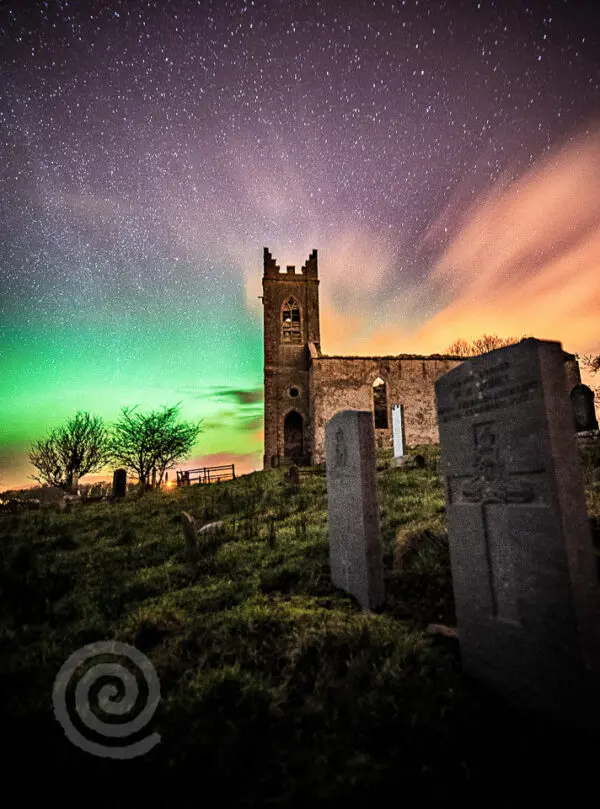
[(488, 489), (523, 569)]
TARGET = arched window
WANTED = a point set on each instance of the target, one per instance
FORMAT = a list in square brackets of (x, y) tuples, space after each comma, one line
[(290, 321), (380, 409)]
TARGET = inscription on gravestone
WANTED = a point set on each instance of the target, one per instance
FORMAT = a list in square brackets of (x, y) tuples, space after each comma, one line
[(527, 598), (353, 515)]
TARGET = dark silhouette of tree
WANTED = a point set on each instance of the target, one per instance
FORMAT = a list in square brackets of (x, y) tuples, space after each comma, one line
[(592, 364), (152, 442), (483, 344), (77, 448)]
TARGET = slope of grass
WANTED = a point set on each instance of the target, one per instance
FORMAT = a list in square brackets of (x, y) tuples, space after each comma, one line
[(276, 689)]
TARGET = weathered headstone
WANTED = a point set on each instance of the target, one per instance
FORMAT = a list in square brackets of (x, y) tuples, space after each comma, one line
[(523, 570), (293, 475), (119, 483), (190, 531), (203, 540), (397, 430), (354, 531), (584, 411)]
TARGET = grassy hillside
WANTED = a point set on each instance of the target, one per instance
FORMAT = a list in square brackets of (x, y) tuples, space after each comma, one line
[(276, 689)]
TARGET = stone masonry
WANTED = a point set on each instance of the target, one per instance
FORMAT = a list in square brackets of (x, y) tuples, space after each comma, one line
[(304, 388)]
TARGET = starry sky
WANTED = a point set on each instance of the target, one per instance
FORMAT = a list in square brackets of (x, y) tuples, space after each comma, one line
[(444, 158)]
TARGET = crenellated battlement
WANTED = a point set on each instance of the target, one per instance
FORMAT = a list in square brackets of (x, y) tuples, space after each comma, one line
[(269, 263), (311, 267), (271, 268)]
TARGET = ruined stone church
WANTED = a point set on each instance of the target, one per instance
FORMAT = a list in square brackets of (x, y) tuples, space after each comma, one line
[(304, 388)]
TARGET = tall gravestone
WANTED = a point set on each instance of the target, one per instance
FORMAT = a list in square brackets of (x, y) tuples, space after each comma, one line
[(398, 430), (523, 570), (354, 529), (119, 483), (584, 410)]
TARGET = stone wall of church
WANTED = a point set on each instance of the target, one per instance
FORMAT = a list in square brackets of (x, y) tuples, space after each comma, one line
[(341, 383)]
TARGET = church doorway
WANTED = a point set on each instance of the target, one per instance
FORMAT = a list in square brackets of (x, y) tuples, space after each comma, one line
[(293, 428)]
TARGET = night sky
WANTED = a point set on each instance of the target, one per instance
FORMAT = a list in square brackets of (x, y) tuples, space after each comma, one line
[(444, 158)]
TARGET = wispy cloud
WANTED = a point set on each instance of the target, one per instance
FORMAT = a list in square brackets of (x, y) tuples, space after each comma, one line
[(520, 257), (238, 396), (525, 256)]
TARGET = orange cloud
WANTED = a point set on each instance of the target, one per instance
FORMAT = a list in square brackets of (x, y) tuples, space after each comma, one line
[(521, 258), (525, 257)]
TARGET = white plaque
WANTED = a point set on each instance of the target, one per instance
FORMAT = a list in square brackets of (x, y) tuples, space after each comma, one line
[(397, 430)]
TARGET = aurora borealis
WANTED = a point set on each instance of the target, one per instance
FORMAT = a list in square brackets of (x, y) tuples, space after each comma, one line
[(444, 158)]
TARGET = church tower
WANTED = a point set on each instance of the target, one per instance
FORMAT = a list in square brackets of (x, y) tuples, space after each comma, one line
[(291, 323)]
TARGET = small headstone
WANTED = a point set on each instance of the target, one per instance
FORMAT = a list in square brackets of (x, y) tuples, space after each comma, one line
[(70, 500), (294, 475), (272, 535), (523, 569), (119, 483), (354, 531), (584, 411), (200, 541), (398, 430), (190, 531)]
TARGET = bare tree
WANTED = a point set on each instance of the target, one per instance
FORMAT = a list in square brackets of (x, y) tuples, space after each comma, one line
[(483, 344), (460, 348), (77, 448), (152, 442), (592, 364)]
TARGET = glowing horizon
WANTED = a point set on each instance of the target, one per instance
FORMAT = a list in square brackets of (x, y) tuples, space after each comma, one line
[(443, 161)]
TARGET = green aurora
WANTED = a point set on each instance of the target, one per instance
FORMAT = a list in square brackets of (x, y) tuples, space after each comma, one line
[(195, 348)]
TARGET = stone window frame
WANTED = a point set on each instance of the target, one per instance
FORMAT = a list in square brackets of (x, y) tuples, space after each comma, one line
[(387, 404), (291, 388), (291, 333)]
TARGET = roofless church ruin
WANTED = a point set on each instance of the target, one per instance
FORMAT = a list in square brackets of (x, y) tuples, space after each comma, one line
[(304, 388)]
